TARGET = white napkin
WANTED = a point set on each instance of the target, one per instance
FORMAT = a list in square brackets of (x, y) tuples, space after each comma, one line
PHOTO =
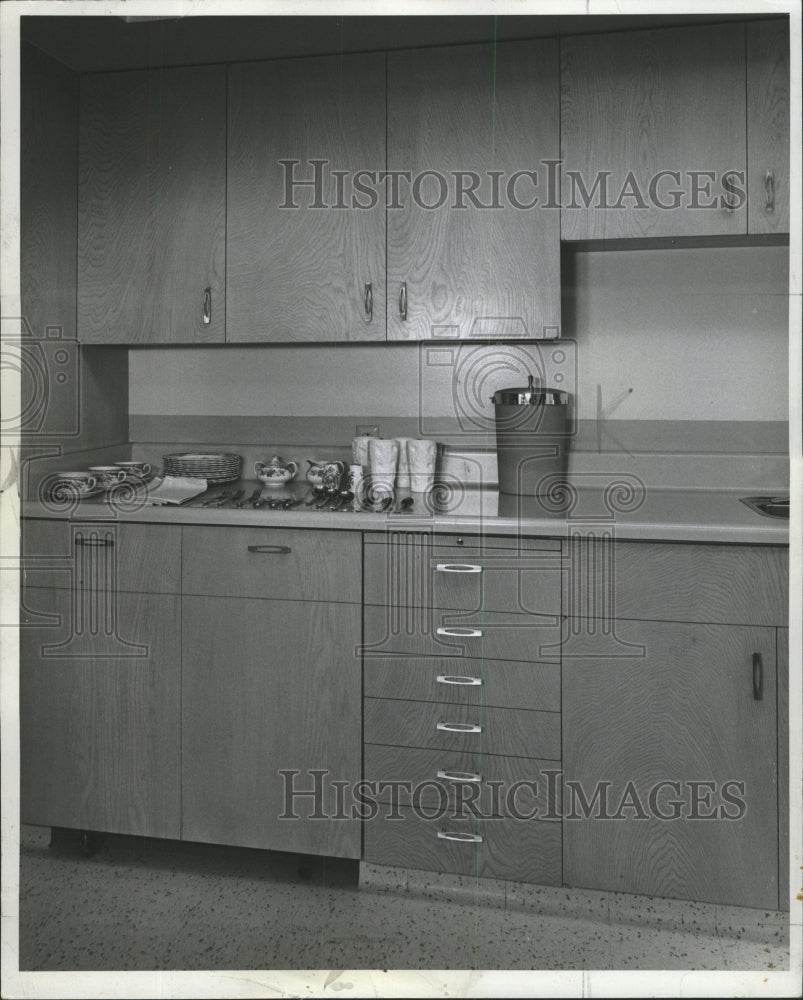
[(175, 489)]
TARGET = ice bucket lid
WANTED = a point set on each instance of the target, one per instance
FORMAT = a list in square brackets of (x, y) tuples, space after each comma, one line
[(530, 395)]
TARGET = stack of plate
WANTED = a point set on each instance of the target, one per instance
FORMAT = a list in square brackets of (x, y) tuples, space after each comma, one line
[(214, 467)]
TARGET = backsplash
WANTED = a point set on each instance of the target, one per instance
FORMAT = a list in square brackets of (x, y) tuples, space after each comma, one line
[(680, 334)]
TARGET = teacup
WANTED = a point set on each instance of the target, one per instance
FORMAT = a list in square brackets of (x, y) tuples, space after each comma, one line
[(78, 482), (332, 474), (134, 470), (107, 475)]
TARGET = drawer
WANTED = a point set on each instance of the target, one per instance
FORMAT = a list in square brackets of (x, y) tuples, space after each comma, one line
[(460, 541), (458, 635), (708, 584), (143, 558), (504, 683), (278, 563), (445, 777), (516, 732), (506, 848), (411, 570)]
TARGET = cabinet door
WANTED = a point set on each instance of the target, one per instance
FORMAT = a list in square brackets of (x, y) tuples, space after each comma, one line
[(685, 712), (152, 207), (269, 686), (648, 113), (470, 259), (768, 126), (305, 262), (783, 768), (99, 711)]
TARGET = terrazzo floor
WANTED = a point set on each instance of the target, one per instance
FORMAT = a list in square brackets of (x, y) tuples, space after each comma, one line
[(143, 904)]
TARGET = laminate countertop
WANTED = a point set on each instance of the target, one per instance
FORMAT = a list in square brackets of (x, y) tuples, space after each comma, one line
[(628, 511)]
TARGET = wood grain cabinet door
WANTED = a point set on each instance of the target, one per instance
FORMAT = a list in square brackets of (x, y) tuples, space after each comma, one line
[(470, 252), (651, 120), (270, 686), (674, 753), (306, 250), (99, 711), (152, 207), (768, 126)]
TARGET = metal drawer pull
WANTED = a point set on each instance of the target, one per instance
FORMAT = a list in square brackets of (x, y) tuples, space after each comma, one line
[(457, 568), (403, 301), (455, 679), (271, 549), (758, 677), (458, 727), (207, 313), (769, 187), (464, 776), (456, 632), (368, 302), (94, 542), (462, 838)]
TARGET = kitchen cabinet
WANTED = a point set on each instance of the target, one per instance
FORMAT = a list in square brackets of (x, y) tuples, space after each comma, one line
[(653, 133), (671, 771), (271, 684), (100, 679), (768, 126), (462, 715), (685, 756), (152, 207), (473, 233), (306, 250)]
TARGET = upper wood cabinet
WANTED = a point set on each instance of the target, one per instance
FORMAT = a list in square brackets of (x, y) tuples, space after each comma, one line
[(306, 250), (651, 120), (470, 252), (152, 206), (768, 126)]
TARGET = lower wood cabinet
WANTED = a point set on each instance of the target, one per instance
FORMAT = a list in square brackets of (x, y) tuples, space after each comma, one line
[(270, 686), (99, 711), (670, 763)]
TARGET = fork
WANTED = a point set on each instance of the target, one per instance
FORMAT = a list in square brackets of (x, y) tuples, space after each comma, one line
[(218, 496), (254, 496)]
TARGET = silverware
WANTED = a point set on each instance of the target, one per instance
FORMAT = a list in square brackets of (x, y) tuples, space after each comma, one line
[(254, 496), (316, 493), (343, 497), (218, 496), (232, 499), (256, 500), (291, 502)]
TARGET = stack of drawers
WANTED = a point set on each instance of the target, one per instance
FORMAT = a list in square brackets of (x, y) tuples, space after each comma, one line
[(462, 725)]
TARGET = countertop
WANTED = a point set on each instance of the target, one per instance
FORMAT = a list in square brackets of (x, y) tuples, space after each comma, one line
[(629, 512)]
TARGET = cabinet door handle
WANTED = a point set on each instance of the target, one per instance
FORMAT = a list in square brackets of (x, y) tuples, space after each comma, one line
[(458, 727), (769, 188), (461, 681), (403, 301), (461, 838), (368, 302), (460, 776), (758, 677), (279, 550), (457, 568), (207, 311), (456, 632), (93, 542)]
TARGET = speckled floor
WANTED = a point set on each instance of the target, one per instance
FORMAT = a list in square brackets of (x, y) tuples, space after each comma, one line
[(148, 904)]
